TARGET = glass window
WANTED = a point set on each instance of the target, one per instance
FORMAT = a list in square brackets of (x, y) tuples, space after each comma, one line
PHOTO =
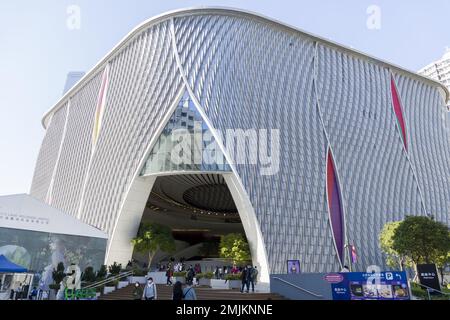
[(185, 146)]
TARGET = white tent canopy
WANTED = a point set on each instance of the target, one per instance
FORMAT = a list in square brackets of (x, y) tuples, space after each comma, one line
[(27, 213)]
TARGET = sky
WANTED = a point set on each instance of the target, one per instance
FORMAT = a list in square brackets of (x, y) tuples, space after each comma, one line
[(39, 46)]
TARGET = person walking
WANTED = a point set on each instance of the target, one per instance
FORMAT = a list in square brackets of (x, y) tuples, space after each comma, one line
[(190, 276), (189, 293), (244, 279), (137, 291), (177, 293), (150, 290), (169, 276)]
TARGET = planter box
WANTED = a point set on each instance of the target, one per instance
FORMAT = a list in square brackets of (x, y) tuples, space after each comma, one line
[(234, 284), (181, 279), (107, 290), (204, 282), (122, 284), (141, 280), (219, 284)]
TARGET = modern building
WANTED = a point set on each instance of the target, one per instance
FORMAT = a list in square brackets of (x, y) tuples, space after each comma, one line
[(39, 237), (439, 70), (72, 78), (303, 144)]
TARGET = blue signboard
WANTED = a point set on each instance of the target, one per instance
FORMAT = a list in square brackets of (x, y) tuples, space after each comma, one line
[(371, 286)]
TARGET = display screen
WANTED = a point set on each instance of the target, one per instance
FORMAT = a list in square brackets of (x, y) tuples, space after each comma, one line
[(41, 252), (369, 286)]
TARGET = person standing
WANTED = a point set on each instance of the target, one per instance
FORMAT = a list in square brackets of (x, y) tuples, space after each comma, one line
[(189, 293), (253, 277), (177, 293), (244, 279), (137, 291), (190, 276), (19, 291), (169, 275), (150, 290), (216, 272)]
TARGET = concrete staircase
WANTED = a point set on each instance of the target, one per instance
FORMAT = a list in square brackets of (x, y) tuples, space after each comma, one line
[(203, 293)]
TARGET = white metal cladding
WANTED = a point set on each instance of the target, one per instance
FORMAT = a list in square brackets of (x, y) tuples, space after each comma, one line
[(143, 82), (377, 181), (48, 155), (248, 73), (71, 171), (428, 140)]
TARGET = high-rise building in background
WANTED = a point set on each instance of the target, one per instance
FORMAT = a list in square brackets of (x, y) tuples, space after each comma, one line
[(439, 70), (72, 78)]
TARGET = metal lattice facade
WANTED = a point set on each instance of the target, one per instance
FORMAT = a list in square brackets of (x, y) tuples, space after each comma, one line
[(247, 72)]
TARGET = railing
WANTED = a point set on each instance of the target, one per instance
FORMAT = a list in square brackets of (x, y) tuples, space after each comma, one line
[(430, 290), (107, 280), (299, 288)]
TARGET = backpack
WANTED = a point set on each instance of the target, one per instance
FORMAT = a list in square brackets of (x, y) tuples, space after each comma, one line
[(254, 274), (185, 294)]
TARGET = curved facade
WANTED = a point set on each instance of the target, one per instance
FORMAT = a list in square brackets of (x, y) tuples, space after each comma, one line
[(361, 141)]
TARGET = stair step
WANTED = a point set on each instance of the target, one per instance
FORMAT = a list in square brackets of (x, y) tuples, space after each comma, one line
[(203, 293)]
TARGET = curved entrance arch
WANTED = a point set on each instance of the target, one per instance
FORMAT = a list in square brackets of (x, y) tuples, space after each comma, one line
[(120, 249)]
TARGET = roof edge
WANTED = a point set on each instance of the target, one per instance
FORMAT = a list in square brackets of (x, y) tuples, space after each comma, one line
[(225, 11)]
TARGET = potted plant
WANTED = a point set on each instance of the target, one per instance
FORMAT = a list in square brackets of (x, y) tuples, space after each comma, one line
[(204, 279), (88, 276), (234, 281), (180, 276)]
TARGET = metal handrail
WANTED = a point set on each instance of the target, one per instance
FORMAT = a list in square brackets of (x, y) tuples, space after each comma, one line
[(429, 289), (299, 288), (104, 281)]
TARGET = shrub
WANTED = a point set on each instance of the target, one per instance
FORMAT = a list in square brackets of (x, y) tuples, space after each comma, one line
[(88, 275), (205, 275), (101, 273), (115, 268), (180, 274), (138, 272), (230, 277)]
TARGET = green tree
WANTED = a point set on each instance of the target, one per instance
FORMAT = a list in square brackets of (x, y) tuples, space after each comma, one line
[(152, 237), (441, 262), (393, 258), (234, 246), (421, 239)]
